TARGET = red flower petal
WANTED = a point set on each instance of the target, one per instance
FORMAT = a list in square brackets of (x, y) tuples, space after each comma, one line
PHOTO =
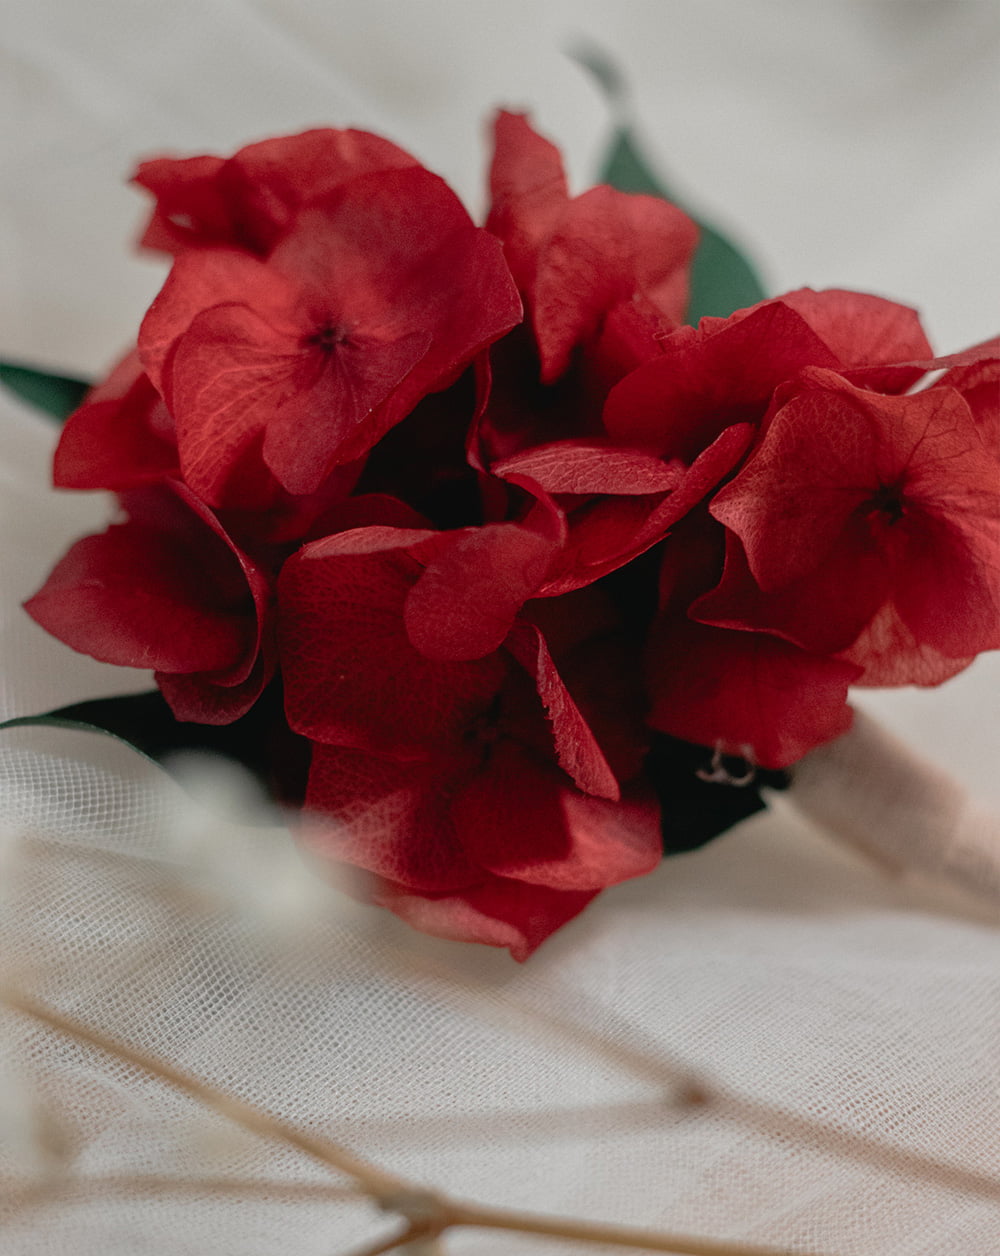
[(576, 747), (746, 693), (704, 381), (528, 190), (865, 331), (465, 601), (121, 436), (947, 588), (609, 249), (822, 611), (497, 912), (236, 377), (197, 282), (606, 533), (352, 676), (891, 655), (576, 466), (166, 590), (388, 816), (577, 261), (191, 207), (208, 700), (249, 199), (979, 385), (559, 837), (901, 489), (378, 295)]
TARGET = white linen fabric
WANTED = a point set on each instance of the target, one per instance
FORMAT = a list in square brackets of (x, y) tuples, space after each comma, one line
[(771, 1041)]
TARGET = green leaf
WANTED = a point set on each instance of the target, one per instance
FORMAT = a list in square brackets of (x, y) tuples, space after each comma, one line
[(54, 720), (722, 279), (57, 395), (260, 740)]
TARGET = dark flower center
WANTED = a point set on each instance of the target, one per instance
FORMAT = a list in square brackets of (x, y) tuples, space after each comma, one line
[(327, 338), (486, 728), (888, 502)]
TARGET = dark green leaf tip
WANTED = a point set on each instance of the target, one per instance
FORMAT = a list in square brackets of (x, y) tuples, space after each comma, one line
[(56, 395)]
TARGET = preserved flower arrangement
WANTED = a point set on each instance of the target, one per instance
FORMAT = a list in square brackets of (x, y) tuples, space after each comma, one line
[(485, 549), (507, 558)]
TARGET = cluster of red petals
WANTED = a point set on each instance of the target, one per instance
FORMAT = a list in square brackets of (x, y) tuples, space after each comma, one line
[(491, 513)]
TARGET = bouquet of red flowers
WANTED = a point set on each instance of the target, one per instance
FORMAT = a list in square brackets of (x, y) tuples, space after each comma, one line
[(488, 553)]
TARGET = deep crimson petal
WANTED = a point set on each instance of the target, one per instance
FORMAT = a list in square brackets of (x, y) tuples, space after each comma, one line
[(166, 590), (131, 597), (890, 655), (352, 677), (745, 692), (559, 838), (576, 466), (865, 331), (608, 248), (890, 493), (204, 699), (197, 282), (607, 533), (979, 385), (308, 434), (121, 436), (704, 381), (466, 599), (231, 372), (576, 747), (948, 584), (389, 817), (822, 611), (248, 200), (238, 378), (190, 207), (267, 183), (498, 912), (604, 261), (986, 351), (452, 282), (528, 190), (367, 510), (822, 459)]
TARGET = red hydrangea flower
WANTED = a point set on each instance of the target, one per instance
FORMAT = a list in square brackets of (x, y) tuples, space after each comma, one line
[(167, 589), (771, 676), (856, 505), (377, 296), (505, 542), (416, 758)]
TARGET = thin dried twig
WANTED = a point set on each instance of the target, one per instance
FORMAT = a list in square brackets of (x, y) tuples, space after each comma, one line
[(375, 1181), (428, 1214), (410, 1234), (595, 1232)]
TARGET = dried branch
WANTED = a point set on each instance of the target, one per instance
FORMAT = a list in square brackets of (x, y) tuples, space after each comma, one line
[(594, 1232), (428, 1215), (375, 1181)]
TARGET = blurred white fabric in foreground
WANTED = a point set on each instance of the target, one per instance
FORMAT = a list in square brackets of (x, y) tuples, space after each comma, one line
[(845, 1026)]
